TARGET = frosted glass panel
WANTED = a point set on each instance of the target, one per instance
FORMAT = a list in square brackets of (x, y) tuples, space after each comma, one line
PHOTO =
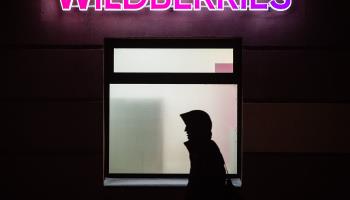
[(173, 60), (147, 133)]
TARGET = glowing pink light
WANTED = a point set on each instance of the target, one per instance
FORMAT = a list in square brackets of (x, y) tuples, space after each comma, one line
[(155, 5), (177, 5)]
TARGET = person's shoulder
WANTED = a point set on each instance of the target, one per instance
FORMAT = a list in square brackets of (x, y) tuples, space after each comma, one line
[(215, 148), (213, 144)]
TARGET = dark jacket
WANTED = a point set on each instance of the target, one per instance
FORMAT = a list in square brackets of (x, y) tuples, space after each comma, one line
[(207, 165), (207, 173)]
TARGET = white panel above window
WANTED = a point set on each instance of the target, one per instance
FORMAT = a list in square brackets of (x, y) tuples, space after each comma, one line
[(138, 60)]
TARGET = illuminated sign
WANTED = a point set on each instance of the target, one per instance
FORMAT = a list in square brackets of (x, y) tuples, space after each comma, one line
[(176, 5)]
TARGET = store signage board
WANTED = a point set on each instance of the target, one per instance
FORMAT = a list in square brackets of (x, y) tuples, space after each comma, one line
[(175, 5)]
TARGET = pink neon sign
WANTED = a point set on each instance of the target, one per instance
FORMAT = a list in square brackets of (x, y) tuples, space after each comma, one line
[(177, 5)]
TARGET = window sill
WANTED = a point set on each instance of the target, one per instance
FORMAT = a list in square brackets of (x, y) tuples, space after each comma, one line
[(154, 182)]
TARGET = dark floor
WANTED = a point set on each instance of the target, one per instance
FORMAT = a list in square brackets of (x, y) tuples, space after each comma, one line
[(265, 176)]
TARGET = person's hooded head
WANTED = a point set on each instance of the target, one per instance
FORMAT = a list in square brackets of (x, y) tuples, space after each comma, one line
[(198, 125)]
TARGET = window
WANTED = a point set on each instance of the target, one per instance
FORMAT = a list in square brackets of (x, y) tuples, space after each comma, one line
[(148, 83)]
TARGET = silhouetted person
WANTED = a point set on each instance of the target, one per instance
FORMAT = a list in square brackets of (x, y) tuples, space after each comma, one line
[(207, 173)]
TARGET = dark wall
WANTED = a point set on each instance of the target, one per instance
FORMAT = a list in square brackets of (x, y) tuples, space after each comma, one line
[(295, 85)]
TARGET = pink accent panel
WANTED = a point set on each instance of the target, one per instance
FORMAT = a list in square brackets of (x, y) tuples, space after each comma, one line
[(223, 68)]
